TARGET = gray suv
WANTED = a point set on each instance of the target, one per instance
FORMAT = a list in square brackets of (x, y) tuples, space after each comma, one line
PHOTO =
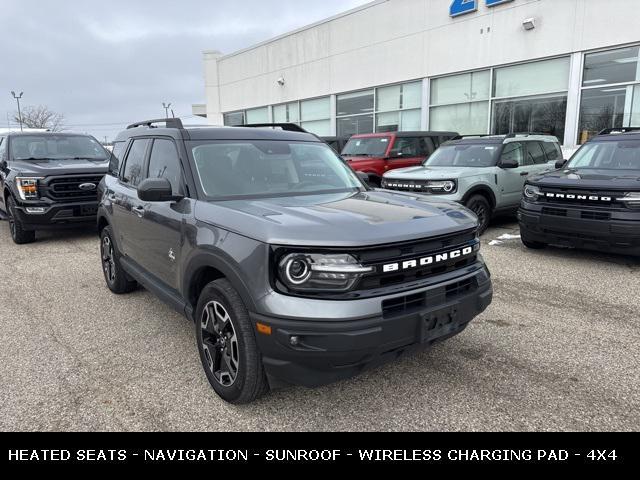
[(293, 271), (484, 173)]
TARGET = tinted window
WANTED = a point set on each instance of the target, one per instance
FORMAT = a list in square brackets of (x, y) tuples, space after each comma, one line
[(133, 169), (164, 163), (411, 147), (116, 157), (535, 154), (513, 151), (552, 150), (367, 147)]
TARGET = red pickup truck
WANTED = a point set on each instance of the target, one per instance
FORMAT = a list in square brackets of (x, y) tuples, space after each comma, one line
[(377, 153)]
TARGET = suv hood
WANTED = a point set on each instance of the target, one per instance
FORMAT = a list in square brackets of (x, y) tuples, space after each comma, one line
[(338, 220), (46, 168), (430, 173), (590, 178)]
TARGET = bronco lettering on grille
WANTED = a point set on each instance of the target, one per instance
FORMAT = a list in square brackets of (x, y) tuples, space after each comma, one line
[(431, 260)]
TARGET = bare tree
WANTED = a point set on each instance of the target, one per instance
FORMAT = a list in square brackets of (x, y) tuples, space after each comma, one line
[(40, 117)]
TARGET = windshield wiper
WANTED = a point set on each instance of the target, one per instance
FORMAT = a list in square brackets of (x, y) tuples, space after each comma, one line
[(33, 158)]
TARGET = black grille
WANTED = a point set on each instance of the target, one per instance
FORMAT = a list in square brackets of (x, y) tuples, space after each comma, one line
[(415, 302), (379, 257), (556, 212), (583, 198), (588, 215), (68, 187)]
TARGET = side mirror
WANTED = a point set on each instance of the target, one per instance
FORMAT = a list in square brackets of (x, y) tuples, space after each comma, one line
[(509, 163), (560, 163), (157, 190), (3, 164)]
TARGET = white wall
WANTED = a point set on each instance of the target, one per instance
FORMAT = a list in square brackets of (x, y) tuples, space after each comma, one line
[(390, 41)]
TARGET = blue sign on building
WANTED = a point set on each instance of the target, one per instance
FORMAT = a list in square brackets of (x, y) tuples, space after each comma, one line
[(461, 7)]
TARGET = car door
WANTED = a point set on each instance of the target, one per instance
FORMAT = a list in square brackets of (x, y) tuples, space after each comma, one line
[(511, 180), (127, 207), (162, 222), (408, 152), (536, 153)]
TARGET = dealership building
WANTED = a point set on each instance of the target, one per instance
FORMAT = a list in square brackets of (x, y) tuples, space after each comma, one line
[(565, 67)]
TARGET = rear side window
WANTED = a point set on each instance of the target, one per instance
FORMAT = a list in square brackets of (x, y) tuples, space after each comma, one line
[(553, 151), (133, 168), (164, 163), (116, 156), (412, 147), (535, 154)]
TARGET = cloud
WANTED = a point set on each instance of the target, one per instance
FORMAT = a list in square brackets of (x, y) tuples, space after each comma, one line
[(103, 64)]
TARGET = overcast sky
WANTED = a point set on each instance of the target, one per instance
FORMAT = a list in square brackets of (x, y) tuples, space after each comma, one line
[(105, 63)]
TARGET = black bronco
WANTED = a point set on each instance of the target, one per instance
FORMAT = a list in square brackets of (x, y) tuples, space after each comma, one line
[(591, 202), (49, 180), (293, 270)]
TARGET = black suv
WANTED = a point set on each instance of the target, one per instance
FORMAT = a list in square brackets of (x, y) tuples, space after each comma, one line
[(292, 269), (591, 202), (49, 180)]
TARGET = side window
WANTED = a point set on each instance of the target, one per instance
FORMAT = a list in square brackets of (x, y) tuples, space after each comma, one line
[(513, 151), (133, 168), (116, 157), (553, 151), (164, 163), (535, 154), (425, 146), (3, 148), (405, 147)]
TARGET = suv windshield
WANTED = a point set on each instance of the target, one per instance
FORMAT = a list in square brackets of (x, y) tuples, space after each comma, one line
[(48, 147), (464, 156), (618, 155), (270, 168), (366, 147)]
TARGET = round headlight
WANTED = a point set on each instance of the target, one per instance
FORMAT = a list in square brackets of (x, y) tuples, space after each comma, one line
[(297, 270), (531, 191), (449, 186)]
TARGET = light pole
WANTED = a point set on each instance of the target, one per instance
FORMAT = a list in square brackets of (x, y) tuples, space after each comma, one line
[(166, 109), (18, 97)]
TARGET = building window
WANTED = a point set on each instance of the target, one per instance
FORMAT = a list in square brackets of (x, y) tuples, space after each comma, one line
[(286, 113), (233, 119), (398, 107), (531, 97), (257, 115), (461, 103), (355, 112), (315, 116), (610, 91)]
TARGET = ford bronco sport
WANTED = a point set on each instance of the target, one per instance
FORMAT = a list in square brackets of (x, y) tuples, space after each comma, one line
[(292, 269), (484, 173), (377, 153), (49, 180), (591, 202)]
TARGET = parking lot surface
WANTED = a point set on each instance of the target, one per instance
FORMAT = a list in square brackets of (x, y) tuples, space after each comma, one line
[(559, 349)]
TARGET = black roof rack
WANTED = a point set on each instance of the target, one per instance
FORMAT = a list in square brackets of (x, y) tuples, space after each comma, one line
[(505, 135), (289, 127), (609, 131), (169, 123)]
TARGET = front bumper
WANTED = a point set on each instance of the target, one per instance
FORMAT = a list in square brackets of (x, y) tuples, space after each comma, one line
[(325, 351), (57, 215), (617, 232)]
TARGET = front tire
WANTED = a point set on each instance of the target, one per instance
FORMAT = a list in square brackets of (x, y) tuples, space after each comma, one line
[(479, 205), (19, 235), (227, 345), (116, 278)]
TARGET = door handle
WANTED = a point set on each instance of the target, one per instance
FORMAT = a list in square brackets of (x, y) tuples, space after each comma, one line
[(524, 174), (139, 211)]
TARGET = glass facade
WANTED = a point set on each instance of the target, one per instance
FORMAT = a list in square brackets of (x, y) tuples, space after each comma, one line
[(610, 91), (525, 97)]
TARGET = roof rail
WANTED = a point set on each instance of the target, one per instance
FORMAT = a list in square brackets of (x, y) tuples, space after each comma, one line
[(475, 135), (609, 131), (289, 127), (526, 134), (169, 123)]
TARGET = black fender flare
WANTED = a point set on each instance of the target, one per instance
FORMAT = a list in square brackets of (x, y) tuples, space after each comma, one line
[(481, 189), (221, 262)]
